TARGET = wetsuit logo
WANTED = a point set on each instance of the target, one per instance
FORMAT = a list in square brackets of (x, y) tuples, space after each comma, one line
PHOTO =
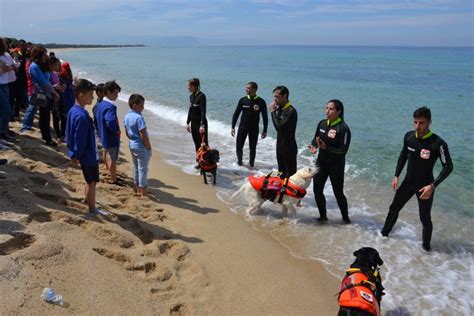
[(256, 107), (332, 133), (425, 154), (366, 296)]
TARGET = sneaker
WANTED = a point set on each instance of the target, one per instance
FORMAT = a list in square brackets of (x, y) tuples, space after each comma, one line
[(346, 220), (322, 219), (52, 143), (96, 211), (427, 248), (7, 137), (239, 163), (384, 234)]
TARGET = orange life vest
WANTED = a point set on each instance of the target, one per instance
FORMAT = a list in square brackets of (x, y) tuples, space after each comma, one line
[(357, 291), (270, 187), (203, 164)]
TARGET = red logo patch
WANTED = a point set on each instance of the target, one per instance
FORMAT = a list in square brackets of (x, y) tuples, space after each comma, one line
[(425, 154), (332, 133)]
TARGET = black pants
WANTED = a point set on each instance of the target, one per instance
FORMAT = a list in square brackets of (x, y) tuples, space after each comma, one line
[(239, 145), (195, 125), (286, 158), (57, 120), (44, 121), (335, 171), (403, 194), (21, 98)]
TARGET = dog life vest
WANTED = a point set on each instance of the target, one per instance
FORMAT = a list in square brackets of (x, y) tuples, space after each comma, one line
[(203, 164), (270, 187), (357, 291)]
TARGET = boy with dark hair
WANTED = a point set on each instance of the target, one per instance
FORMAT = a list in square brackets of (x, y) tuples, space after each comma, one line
[(108, 128), (421, 148), (80, 141), (99, 91), (140, 147)]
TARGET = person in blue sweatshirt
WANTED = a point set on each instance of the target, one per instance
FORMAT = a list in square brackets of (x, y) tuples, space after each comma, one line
[(108, 128), (80, 140)]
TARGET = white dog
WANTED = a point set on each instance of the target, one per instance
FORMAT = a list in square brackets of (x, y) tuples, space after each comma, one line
[(302, 178)]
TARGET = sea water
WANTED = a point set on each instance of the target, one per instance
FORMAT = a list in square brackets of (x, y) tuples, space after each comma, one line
[(380, 88)]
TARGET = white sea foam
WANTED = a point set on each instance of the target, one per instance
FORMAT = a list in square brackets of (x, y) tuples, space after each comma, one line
[(416, 282)]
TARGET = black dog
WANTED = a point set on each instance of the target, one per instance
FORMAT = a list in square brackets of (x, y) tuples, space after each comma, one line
[(208, 163), (361, 289)]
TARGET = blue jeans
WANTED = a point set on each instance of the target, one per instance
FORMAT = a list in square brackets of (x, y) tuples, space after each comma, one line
[(29, 115), (5, 108), (141, 158)]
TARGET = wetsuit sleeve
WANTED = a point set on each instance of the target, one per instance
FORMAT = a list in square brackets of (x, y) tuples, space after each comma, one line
[(446, 162), (237, 111), (202, 106), (343, 142), (316, 134), (263, 110), (287, 117), (402, 159), (188, 120), (111, 121)]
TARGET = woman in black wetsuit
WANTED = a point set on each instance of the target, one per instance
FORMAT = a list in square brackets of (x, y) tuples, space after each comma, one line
[(196, 124), (332, 137)]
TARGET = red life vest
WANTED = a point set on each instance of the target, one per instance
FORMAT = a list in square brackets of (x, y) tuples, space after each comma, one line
[(270, 187), (203, 164), (358, 292)]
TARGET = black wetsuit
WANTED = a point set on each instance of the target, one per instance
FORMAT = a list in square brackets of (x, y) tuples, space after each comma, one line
[(331, 162), (251, 108), (197, 117), (285, 119), (421, 154)]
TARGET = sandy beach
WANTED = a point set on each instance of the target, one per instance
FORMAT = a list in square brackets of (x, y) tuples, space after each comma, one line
[(180, 252)]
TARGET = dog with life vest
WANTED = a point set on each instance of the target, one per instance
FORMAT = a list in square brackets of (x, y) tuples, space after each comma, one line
[(207, 159), (287, 192), (361, 288)]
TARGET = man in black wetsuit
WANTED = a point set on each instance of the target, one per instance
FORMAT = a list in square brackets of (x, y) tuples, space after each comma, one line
[(421, 148), (251, 107), (197, 121), (284, 117)]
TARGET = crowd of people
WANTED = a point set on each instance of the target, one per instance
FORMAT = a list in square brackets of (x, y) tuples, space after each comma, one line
[(32, 80)]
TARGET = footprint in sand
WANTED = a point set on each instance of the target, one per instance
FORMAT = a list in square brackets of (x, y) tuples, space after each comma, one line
[(179, 310), (151, 269), (174, 249), (110, 254), (19, 241), (49, 197)]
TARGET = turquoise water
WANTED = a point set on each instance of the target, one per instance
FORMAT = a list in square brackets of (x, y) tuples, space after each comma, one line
[(380, 87)]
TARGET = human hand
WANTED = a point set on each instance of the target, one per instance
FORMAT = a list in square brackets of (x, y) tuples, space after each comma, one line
[(188, 128), (264, 135), (232, 132), (426, 192), (312, 149), (320, 143), (272, 106), (74, 161), (395, 183), (202, 129)]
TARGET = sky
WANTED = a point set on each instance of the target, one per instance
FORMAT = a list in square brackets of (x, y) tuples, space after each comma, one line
[(245, 22)]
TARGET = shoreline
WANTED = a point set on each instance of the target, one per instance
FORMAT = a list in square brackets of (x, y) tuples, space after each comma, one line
[(184, 252), (235, 264)]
